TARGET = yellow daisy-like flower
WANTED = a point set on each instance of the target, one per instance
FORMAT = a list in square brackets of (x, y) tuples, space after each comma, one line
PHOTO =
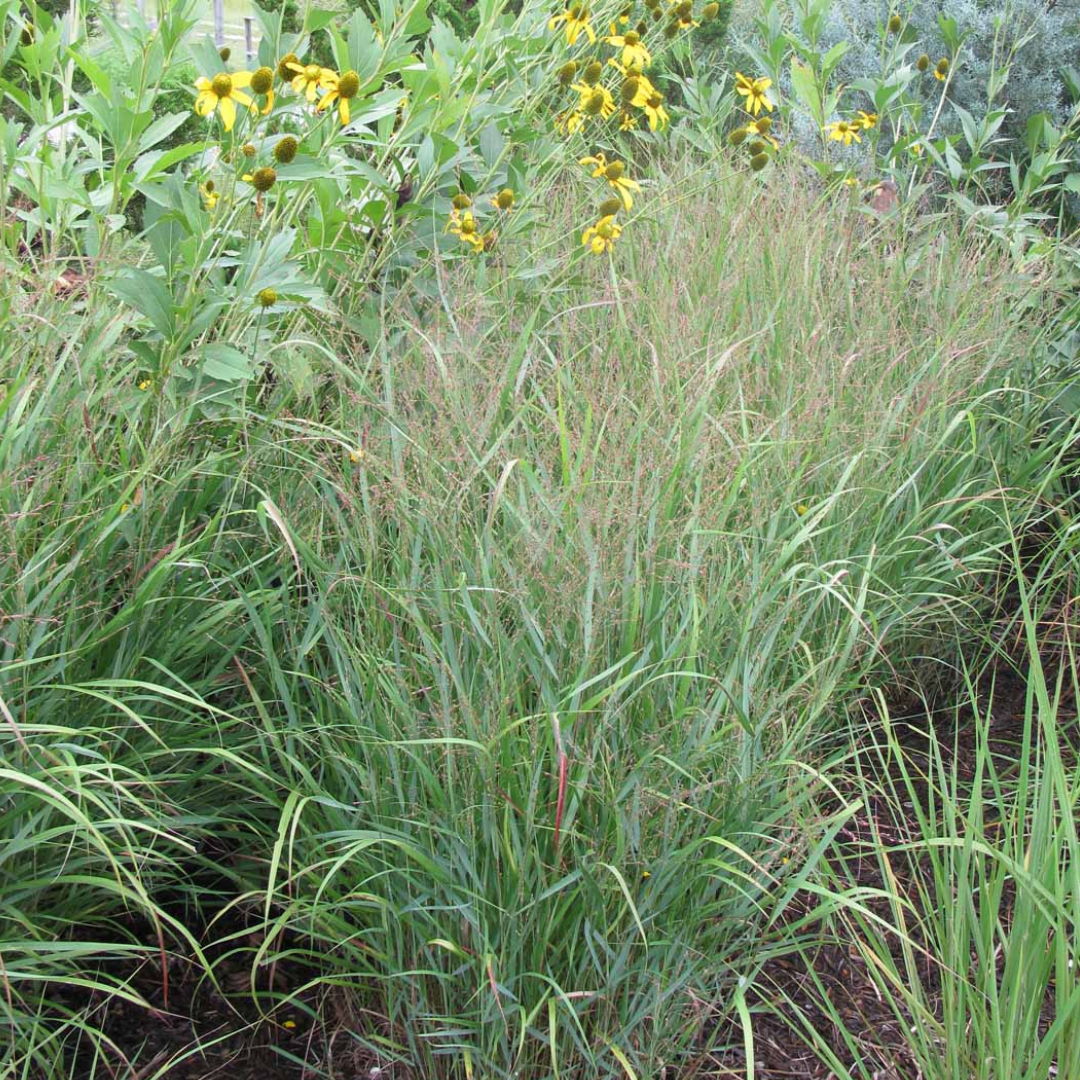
[(633, 49), (594, 100), (221, 93), (655, 112), (309, 78), (916, 149), (627, 121), (755, 92), (761, 128), (570, 122), (843, 131), (614, 172), (340, 88), (577, 19), (866, 120), (210, 196), (504, 200), (941, 71), (464, 225), (602, 235)]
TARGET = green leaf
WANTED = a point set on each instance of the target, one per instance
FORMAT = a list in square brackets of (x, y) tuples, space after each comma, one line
[(161, 129), (149, 296), (1072, 183), (226, 363), (492, 145), (805, 87)]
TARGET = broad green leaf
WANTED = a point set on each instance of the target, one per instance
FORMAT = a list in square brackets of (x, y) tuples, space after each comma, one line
[(226, 363), (149, 296)]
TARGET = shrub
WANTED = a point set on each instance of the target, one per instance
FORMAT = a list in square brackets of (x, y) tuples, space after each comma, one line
[(1033, 39)]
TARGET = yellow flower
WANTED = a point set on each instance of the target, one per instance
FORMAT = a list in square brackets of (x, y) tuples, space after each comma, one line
[(866, 120), (627, 121), (576, 18), (655, 111), (842, 131), (614, 173), (210, 196), (504, 200), (308, 78), (357, 455), (633, 50), (941, 71), (570, 122), (594, 100), (221, 93), (851, 182), (754, 90), (145, 384), (340, 88), (464, 226), (916, 149), (760, 128), (602, 235)]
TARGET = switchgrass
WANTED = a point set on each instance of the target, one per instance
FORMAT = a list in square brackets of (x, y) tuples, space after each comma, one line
[(483, 666), (970, 940)]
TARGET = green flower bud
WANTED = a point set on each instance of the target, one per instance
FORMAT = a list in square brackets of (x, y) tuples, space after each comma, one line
[(261, 80), (348, 85), (266, 298), (758, 162), (895, 24), (285, 150), (738, 136), (610, 206), (568, 72), (592, 73), (263, 179), (225, 54), (923, 63), (285, 73), (709, 12)]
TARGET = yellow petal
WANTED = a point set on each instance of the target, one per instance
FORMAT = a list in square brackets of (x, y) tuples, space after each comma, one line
[(202, 83), (295, 67), (244, 99), (597, 245), (343, 110), (241, 79), (299, 81), (269, 102), (312, 90), (205, 103), (627, 199), (326, 101), (228, 113)]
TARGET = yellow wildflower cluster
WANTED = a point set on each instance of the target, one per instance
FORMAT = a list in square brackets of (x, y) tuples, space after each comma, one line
[(465, 225), (322, 87), (849, 131), (601, 235), (756, 131), (625, 92)]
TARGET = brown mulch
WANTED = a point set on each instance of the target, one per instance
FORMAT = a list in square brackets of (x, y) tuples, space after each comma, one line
[(796, 993)]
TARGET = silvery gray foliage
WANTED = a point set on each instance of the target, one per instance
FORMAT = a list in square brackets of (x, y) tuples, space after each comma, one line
[(992, 29)]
